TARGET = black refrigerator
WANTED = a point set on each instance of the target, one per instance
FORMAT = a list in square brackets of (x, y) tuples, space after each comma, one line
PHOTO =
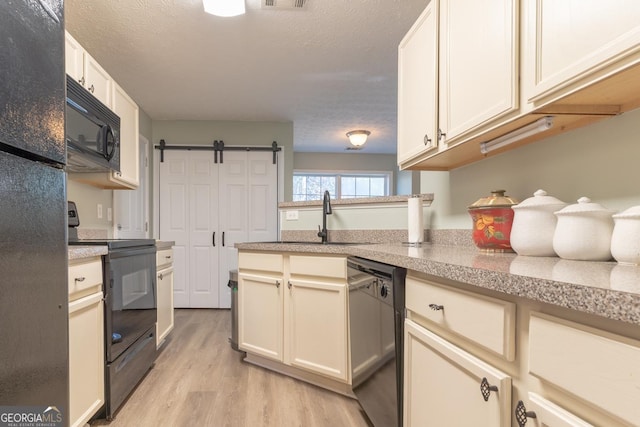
[(34, 372)]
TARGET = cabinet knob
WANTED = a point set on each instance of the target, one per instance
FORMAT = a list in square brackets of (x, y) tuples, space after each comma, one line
[(441, 135), (168, 257), (91, 89), (427, 140), (486, 389), (436, 307), (79, 279), (289, 284), (522, 414), (81, 81), (160, 276), (278, 284)]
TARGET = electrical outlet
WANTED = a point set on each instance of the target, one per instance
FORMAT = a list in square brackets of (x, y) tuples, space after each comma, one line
[(99, 211), (109, 214), (291, 215)]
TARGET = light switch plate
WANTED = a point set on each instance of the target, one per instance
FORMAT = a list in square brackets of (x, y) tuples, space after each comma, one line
[(291, 215), (99, 211)]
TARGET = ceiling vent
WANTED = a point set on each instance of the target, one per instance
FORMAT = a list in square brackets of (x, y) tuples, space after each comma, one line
[(284, 4), (352, 148)]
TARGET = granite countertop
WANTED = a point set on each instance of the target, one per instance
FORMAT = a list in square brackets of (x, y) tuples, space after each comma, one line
[(79, 252), (605, 289), (161, 244)]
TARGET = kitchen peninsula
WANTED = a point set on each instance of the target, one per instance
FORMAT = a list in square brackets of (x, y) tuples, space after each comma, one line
[(544, 313)]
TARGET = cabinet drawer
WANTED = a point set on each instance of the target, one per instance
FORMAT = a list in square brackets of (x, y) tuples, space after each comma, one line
[(488, 322), (597, 366), (552, 415), (85, 277), (164, 258), (321, 266), (260, 261)]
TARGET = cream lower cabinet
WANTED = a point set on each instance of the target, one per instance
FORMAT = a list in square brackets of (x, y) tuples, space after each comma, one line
[(448, 386), (86, 340), (164, 286), (292, 309), (551, 366), (316, 315)]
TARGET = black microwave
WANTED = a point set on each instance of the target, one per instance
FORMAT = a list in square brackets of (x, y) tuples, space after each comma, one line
[(92, 132)]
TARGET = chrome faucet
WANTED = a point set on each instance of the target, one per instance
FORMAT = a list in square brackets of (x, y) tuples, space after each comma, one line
[(326, 210)]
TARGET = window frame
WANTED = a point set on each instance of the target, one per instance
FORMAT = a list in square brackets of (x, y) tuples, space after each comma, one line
[(338, 174)]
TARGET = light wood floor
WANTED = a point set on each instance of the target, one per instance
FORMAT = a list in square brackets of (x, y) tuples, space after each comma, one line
[(198, 380)]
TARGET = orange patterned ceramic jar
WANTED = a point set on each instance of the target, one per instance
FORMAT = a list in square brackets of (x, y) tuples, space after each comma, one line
[(492, 219)]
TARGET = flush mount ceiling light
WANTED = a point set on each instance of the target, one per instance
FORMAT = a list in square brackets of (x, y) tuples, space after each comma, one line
[(224, 8), (358, 137)]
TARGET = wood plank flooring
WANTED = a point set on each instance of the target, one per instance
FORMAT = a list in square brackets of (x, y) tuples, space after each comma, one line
[(198, 380)]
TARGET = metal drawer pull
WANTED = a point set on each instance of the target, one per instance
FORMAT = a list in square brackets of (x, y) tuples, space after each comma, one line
[(522, 414), (436, 307), (79, 279), (486, 389), (278, 284), (168, 257)]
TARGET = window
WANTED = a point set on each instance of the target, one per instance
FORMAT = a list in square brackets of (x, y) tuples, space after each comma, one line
[(347, 185)]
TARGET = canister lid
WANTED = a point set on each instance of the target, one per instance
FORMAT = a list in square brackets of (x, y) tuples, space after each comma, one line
[(631, 213), (497, 199), (584, 207), (540, 199)]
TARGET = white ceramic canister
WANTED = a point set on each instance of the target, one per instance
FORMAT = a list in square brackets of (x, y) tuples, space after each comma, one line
[(583, 232), (625, 241), (534, 223)]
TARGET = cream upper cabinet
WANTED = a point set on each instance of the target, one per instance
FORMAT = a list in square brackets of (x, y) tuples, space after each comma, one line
[(446, 386), (127, 110), (87, 71), (572, 43), (458, 72), (418, 87), (478, 61)]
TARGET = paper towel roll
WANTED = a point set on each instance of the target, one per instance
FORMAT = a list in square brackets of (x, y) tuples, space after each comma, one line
[(415, 222)]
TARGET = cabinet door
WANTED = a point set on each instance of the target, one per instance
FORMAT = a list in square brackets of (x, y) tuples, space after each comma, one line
[(418, 87), (165, 304), (260, 315), (478, 64), (86, 358), (571, 40), (97, 80), (73, 58), (442, 385), (317, 322), (127, 110)]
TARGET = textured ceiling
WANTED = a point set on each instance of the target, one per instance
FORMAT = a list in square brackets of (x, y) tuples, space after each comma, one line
[(329, 68)]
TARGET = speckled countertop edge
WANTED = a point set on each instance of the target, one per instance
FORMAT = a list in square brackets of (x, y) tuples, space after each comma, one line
[(427, 199), (79, 252), (161, 244), (604, 289)]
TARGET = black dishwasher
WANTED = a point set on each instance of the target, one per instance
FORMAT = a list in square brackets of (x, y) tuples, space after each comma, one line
[(376, 319)]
